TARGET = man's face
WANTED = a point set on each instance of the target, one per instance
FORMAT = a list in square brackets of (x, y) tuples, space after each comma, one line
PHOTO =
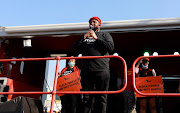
[(95, 24)]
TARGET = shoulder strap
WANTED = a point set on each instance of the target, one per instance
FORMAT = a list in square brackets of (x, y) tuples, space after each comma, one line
[(77, 69), (63, 70)]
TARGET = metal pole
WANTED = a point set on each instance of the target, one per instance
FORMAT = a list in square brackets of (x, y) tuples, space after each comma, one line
[(55, 84)]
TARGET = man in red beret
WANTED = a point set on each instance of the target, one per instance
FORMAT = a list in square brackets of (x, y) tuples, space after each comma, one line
[(95, 74), (95, 24)]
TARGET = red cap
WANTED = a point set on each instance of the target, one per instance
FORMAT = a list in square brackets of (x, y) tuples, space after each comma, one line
[(95, 17)]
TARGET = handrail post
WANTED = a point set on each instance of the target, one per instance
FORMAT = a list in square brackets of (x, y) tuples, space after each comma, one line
[(55, 84)]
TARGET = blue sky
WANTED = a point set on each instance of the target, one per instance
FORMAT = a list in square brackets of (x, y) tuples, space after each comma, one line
[(39, 12)]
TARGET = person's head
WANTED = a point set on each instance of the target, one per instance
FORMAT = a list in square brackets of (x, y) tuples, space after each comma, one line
[(145, 62), (95, 22), (71, 63)]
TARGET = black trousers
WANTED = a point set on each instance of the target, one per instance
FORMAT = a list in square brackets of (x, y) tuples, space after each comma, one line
[(95, 81), (69, 103), (129, 101)]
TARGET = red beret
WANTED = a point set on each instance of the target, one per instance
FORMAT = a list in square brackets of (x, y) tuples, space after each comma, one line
[(95, 17)]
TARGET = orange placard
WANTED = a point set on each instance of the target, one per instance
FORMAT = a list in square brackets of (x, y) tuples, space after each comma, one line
[(69, 82), (149, 85)]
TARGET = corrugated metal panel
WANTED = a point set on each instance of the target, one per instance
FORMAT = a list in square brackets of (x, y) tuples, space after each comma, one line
[(109, 26)]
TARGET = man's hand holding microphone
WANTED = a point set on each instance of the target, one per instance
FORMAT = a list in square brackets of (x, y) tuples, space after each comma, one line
[(91, 33)]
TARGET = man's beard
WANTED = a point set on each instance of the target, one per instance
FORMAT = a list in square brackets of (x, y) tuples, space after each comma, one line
[(95, 29)]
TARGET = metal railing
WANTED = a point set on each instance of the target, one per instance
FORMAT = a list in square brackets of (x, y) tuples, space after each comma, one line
[(54, 92)]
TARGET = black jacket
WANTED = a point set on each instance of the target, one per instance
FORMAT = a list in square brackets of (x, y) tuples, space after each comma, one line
[(91, 47)]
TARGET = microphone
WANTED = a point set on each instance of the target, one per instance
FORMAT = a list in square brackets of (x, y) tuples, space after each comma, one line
[(90, 27)]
